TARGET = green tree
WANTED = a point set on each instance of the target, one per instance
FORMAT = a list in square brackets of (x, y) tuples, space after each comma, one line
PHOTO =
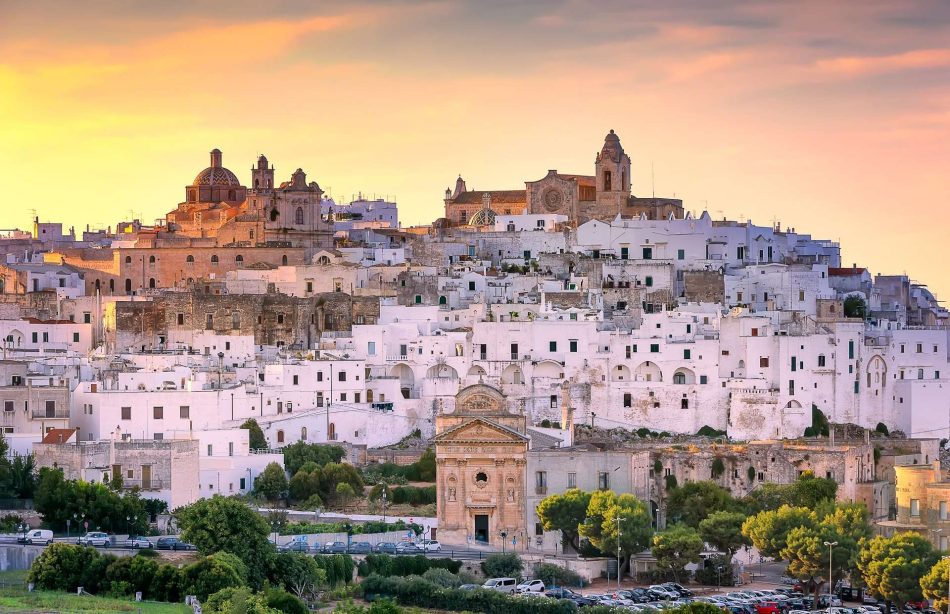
[(506, 565), (304, 484), (723, 531), (601, 524), (296, 454), (225, 524), (808, 491), (299, 574), (256, 439), (676, 548), (272, 482), (935, 583), (344, 494), (691, 503), (336, 473), (768, 530), (855, 307), (237, 600), (564, 512), (892, 566), (57, 499)]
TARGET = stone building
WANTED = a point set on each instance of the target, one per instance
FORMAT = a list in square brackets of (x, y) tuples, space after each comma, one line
[(161, 469), (605, 195), (922, 504), (480, 452), (32, 404)]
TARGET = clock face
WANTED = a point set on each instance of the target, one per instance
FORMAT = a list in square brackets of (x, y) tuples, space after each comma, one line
[(552, 199)]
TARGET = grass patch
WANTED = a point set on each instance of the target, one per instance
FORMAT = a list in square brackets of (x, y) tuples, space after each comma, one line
[(17, 599)]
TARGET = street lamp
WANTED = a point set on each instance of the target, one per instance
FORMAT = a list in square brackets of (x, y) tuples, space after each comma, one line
[(384, 504), (718, 578), (619, 535), (504, 537), (831, 546)]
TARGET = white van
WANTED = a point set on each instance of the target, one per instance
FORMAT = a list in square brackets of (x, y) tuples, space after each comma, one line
[(503, 585), (37, 536)]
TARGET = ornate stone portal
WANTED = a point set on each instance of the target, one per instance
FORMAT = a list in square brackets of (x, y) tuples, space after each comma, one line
[(480, 451)]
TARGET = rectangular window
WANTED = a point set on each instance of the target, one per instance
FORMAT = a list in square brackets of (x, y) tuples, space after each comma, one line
[(628, 351), (309, 286), (552, 346), (184, 412), (573, 345), (553, 401), (371, 348), (649, 281), (684, 403), (471, 286), (158, 413), (181, 319), (943, 510), (791, 387), (341, 376), (296, 380), (920, 348), (45, 337), (230, 448), (243, 484), (603, 480), (915, 508), (654, 348), (87, 318), (572, 480), (821, 360), (681, 254), (75, 337), (209, 321), (356, 397), (686, 354), (126, 413), (703, 379), (627, 399), (851, 349), (624, 253), (648, 253), (794, 364), (235, 320), (343, 396), (514, 351), (763, 362), (158, 436), (538, 529), (8, 406), (210, 449)]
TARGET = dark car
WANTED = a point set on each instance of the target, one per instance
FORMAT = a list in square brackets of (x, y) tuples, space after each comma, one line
[(679, 588), (173, 543), (298, 546), (360, 548), (566, 593), (385, 548), (334, 548), (408, 548)]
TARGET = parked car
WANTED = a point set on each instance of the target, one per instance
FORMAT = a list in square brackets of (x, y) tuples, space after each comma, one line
[(678, 588), (334, 548), (408, 548), (502, 585), (385, 548), (36, 536), (530, 586), (431, 545), (137, 541), (360, 548), (173, 543), (296, 546), (768, 607), (469, 587), (96, 538)]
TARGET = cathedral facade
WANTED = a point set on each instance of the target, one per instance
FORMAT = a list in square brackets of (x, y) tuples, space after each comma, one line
[(605, 195), (217, 206)]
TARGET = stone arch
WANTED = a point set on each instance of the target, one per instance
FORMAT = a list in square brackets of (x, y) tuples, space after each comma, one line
[(682, 375), (548, 368), (476, 371), (283, 260), (324, 260), (442, 371), (648, 372), (303, 433), (442, 300), (621, 373), (15, 337), (274, 215), (876, 372), (151, 283), (512, 375), (407, 379)]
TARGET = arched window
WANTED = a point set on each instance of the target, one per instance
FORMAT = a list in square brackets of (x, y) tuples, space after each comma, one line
[(298, 216), (257, 183), (283, 260), (303, 433), (324, 260), (151, 259), (190, 259), (239, 258), (191, 196), (274, 215), (331, 432), (607, 179), (97, 285), (128, 259), (442, 300), (679, 378), (232, 195), (128, 284), (623, 180), (151, 282), (214, 259), (280, 437)]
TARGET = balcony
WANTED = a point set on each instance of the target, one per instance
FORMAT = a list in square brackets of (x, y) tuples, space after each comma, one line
[(42, 414), (153, 484), (541, 489)]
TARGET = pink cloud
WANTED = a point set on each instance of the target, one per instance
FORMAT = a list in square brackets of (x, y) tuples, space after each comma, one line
[(857, 66)]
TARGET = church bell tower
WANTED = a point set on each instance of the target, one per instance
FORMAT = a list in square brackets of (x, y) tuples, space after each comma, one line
[(613, 177)]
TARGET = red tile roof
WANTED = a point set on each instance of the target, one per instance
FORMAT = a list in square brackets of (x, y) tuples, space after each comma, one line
[(497, 196), (845, 271), (58, 435)]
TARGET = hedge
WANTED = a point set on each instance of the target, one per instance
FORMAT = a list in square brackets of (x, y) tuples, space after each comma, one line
[(414, 495), (386, 565), (414, 591), (338, 567)]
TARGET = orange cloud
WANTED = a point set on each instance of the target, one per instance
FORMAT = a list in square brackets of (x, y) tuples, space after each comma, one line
[(857, 66)]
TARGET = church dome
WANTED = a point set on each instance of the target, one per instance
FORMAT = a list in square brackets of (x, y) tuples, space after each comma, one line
[(612, 148), (217, 175)]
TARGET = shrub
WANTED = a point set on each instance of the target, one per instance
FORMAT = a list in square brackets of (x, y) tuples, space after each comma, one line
[(413, 495), (671, 482), (338, 567), (710, 576), (503, 565), (256, 439), (284, 602), (386, 565), (555, 575), (750, 472), (882, 429), (718, 468), (708, 431), (63, 567), (441, 577), (236, 599), (209, 575)]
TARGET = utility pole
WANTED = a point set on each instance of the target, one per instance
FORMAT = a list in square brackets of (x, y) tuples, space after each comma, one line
[(619, 535)]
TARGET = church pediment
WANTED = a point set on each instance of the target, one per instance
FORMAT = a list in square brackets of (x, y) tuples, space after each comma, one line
[(478, 431)]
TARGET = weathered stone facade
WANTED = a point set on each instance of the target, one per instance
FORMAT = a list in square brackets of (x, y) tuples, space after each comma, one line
[(480, 468), (704, 286)]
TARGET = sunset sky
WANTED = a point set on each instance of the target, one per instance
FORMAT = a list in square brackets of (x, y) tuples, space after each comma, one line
[(832, 117)]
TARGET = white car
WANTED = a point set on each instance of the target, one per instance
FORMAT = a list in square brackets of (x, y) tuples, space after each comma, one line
[(95, 538), (530, 586), (431, 545), (502, 585), (136, 541)]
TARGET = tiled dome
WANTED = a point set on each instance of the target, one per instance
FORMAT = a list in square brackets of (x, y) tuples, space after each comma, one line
[(217, 176)]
